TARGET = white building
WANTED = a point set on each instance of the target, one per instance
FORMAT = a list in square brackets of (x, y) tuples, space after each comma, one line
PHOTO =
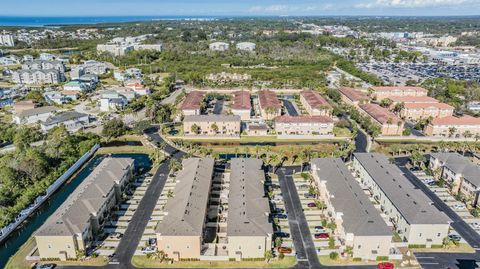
[(72, 120), (47, 76), (6, 40), (35, 115), (44, 65), (219, 46), (246, 46), (54, 97), (115, 49)]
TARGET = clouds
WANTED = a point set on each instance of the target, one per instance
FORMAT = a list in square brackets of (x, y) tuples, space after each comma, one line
[(410, 3)]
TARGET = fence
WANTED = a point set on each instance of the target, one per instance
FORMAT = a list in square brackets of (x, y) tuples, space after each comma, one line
[(25, 213)]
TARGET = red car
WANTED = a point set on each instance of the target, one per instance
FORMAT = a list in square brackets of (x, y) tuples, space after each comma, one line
[(386, 265), (311, 205), (322, 236), (284, 250)]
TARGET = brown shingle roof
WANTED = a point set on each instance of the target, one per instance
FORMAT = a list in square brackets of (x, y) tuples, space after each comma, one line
[(241, 100), (193, 100), (353, 94), (314, 99), (379, 113), (268, 99), (303, 119)]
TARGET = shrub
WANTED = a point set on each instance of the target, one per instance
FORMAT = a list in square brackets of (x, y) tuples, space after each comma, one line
[(416, 246), (357, 259), (382, 258), (281, 256), (333, 255)]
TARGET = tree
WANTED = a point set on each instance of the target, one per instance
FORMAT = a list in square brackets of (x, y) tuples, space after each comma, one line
[(451, 131), (386, 102), (214, 127), (333, 255), (113, 128), (331, 242), (268, 255), (195, 129)]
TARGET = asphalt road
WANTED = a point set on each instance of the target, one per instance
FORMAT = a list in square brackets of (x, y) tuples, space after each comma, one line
[(290, 108), (361, 142), (445, 260)]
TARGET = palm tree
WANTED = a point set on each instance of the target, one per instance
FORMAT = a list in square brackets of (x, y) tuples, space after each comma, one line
[(451, 131), (195, 129), (214, 127)]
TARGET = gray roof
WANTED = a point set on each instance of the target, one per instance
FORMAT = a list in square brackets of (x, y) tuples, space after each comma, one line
[(186, 210), (211, 118), (248, 207), (73, 216), (359, 216), (37, 111), (412, 203), (460, 165), (63, 117)]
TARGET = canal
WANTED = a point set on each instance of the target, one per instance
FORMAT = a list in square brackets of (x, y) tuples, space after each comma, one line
[(11, 245)]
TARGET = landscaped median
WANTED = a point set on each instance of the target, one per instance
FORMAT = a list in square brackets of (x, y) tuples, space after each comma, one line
[(145, 262)]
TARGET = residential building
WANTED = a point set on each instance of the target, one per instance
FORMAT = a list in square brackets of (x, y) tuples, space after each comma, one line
[(459, 172), (380, 93), (72, 120), (315, 104), (246, 46), (44, 65), (388, 122), (35, 115), (257, 129), (71, 95), (24, 105), (219, 46), (473, 106), (242, 104), (137, 86), (80, 220), (192, 104), (307, 126), (451, 126), (414, 217), (54, 97), (359, 224), (224, 77), (212, 125), (180, 233), (412, 100), (270, 106), (353, 96), (75, 86), (88, 67), (417, 111), (6, 40), (115, 49), (115, 99), (154, 47), (249, 232), (46, 76), (47, 57)]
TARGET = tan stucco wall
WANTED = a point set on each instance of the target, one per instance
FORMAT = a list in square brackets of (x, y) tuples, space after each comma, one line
[(224, 128), (182, 247), (364, 246), (248, 246), (53, 246)]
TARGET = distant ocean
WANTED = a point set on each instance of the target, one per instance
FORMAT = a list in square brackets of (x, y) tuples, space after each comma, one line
[(52, 21)]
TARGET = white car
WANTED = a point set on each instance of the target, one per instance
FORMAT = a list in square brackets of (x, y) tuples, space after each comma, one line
[(475, 225), (459, 207)]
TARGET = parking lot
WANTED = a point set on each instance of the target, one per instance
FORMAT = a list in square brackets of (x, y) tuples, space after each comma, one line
[(442, 192)]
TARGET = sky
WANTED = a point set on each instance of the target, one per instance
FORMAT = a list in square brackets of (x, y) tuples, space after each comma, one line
[(61, 8)]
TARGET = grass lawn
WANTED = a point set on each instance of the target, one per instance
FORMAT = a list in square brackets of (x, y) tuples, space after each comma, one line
[(257, 139), (144, 262), (113, 147), (18, 261), (460, 248), (325, 260)]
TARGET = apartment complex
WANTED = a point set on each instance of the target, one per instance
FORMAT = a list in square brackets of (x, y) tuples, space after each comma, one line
[(359, 223), (414, 217), (389, 123), (353, 96), (44, 65), (270, 106), (249, 232), (81, 218), (45, 76), (412, 100), (315, 104), (6, 40), (192, 104), (459, 172), (242, 104), (451, 126), (212, 125), (303, 125), (180, 233), (380, 93), (417, 111)]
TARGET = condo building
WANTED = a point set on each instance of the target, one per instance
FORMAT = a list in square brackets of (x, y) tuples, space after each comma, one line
[(192, 104), (212, 125), (380, 93), (270, 106), (180, 233), (411, 212), (456, 127), (315, 104), (359, 224), (353, 96), (417, 111), (388, 122), (77, 223), (308, 126), (242, 105)]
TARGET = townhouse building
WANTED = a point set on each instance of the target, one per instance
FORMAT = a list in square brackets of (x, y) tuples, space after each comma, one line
[(192, 105), (414, 217), (80, 220), (359, 224), (44, 76), (388, 122), (242, 105), (417, 111), (212, 125), (412, 100), (270, 106), (249, 232), (353, 96), (380, 93), (315, 104), (180, 233), (44, 65), (459, 172), (308, 126), (451, 126)]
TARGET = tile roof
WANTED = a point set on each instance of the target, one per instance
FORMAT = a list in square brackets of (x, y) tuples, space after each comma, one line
[(268, 99), (353, 94), (241, 100), (315, 100), (211, 118), (193, 100), (413, 99), (452, 120), (359, 216), (380, 114), (303, 119), (186, 210), (411, 202), (398, 88), (442, 106), (248, 206)]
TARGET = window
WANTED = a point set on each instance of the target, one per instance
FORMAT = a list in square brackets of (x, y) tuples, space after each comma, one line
[(438, 235), (420, 235), (68, 246), (49, 246), (260, 247), (188, 246), (359, 246)]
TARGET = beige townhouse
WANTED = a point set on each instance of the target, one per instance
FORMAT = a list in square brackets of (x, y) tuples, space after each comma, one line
[(212, 125), (388, 122), (315, 104)]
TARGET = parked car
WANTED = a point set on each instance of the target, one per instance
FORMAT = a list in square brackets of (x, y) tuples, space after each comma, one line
[(47, 266), (278, 197), (308, 195), (320, 229), (475, 225), (279, 216), (322, 235), (454, 237), (303, 186), (278, 210), (385, 265), (284, 250), (459, 207), (282, 234), (311, 204)]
